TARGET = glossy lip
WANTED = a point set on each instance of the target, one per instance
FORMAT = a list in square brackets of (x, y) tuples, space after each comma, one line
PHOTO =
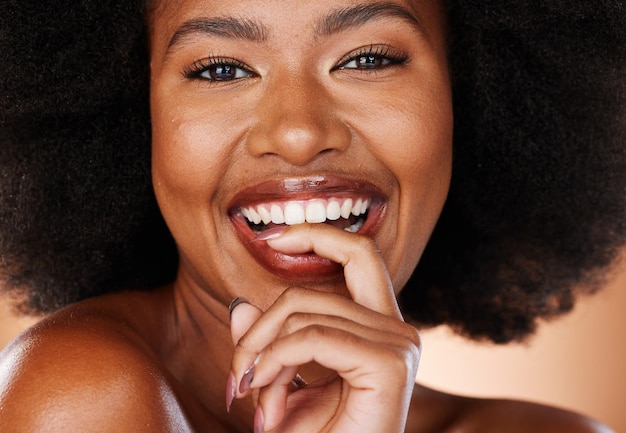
[(310, 266)]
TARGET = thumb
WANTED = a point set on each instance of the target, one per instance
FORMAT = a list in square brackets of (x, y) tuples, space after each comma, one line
[(242, 317)]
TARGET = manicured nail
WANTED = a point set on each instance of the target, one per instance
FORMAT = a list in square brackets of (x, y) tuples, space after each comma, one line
[(273, 233), (231, 390), (234, 303), (246, 380), (259, 420)]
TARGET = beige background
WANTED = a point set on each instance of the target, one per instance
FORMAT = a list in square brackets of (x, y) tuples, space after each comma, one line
[(577, 362)]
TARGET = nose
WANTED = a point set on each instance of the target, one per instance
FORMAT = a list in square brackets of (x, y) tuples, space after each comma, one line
[(297, 121)]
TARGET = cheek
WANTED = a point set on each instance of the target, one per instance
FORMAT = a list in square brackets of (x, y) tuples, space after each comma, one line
[(414, 141), (186, 156), (187, 164), (418, 151), (424, 169), (421, 148)]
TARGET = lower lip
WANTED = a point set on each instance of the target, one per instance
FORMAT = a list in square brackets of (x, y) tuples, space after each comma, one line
[(299, 267)]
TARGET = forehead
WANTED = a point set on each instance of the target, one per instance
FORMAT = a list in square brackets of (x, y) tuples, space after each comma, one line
[(172, 20)]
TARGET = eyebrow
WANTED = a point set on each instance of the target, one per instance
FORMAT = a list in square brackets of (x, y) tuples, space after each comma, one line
[(357, 15), (226, 27), (336, 22)]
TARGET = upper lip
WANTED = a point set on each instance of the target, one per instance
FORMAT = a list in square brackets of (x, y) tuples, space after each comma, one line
[(304, 188)]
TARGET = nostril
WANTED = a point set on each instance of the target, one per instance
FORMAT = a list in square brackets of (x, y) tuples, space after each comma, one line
[(298, 136)]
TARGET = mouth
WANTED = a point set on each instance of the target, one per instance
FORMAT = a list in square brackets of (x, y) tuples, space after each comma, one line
[(354, 206), (348, 213)]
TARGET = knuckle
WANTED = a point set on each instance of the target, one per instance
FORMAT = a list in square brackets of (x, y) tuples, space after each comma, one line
[(243, 347), (295, 322), (412, 346), (315, 332), (291, 295), (413, 335), (403, 362), (367, 243)]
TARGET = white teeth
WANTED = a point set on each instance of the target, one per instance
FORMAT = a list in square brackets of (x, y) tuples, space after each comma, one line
[(365, 206), (294, 213), (312, 211), (346, 208), (315, 212), (277, 214), (333, 211), (265, 215), (355, 227), (254, 216), (356, 210)]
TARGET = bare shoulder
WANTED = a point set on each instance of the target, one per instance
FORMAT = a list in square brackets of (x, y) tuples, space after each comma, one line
[(524, 417), (473, 415), (84, 369)]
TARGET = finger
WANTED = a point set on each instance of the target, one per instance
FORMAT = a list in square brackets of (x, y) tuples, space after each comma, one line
[(365, 272), (279, 374), (242, 317), (381, 385), (297, 302), (370, 331), (273, 397), (318, 342)]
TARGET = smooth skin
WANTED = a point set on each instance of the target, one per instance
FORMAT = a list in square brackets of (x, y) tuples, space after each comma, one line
[(244, 93), (298, 105)]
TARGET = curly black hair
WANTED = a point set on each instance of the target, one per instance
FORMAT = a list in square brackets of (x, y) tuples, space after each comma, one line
[(536, 211), (537, 207), (77, 213)]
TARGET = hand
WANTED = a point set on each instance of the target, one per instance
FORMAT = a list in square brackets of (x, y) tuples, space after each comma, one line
[(373, 353)]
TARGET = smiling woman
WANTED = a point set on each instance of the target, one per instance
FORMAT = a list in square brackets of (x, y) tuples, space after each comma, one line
[(302, 123), (300, 156)]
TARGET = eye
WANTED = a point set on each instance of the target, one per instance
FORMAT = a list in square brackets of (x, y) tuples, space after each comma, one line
[(223, 73), (366, 62), (372, 57), (217, 69)]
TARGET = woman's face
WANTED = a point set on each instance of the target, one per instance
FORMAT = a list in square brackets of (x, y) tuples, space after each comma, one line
[(274, 111)]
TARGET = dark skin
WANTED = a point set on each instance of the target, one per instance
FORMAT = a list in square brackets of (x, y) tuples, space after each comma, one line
[(111, 358), (242, 95)]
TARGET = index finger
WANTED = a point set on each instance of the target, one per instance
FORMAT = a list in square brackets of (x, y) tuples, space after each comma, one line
[(365, 272)]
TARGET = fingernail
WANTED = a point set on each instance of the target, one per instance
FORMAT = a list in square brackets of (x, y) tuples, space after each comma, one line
[(259, 420), (234, 303), (231, 390), (246, 380), (273, 233)]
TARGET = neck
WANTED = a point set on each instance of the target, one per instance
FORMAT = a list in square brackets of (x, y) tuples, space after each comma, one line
[(197, 351)]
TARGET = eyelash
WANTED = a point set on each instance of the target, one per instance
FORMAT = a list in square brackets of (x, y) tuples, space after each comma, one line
[(383, 56), (199, 67)]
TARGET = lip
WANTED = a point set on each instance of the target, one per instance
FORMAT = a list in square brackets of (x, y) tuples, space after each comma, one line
[(309, 266)]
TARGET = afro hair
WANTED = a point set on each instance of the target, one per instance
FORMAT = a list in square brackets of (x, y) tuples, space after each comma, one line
[(536, 211)]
